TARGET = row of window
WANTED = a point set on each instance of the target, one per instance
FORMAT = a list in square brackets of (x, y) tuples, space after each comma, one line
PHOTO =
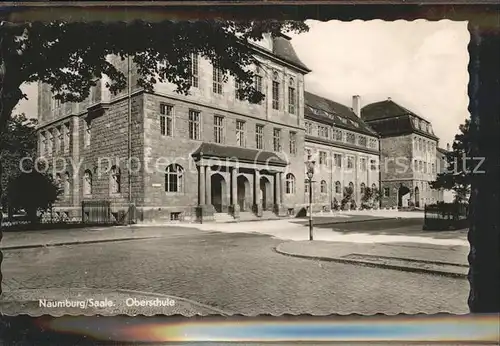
[(219, 128), (57, 139), (64, 182), (424, 167), (328, 132), (422, 125), (337, 160), (338, 187), (423, 145), (218, 85)]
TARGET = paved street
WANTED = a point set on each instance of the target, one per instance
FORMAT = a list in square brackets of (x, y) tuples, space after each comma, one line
[(235, 272)]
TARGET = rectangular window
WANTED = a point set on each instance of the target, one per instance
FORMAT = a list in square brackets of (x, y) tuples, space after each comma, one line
[(323, 158), (58, 139), (240, 133), (56, 104), (425, 166), (259, 136), (194, 69), (166, 120), (277, 140), (276, 95), (362, 164), (386, 192), (291, 100), (293, 143), (350, 138), (338, 135), (67, 137), (217, 81), (362, 141), (337, 158), (194, 125), (88, 132), (433, 168), (350, 162), (218, 129), (258, 84), (373, 165), (237, 92), (323, 131), (309, 128)]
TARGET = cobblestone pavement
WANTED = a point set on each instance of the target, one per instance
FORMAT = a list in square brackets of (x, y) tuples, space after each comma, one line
[(238, 273)]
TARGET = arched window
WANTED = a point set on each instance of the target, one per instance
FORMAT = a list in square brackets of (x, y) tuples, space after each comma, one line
[(291, 82), (362, 188), (374, 186), (67, 184), (351, 185), (323, 186), (87, 183), (338, 187), (290, 184), (115, 180), (174, 178)]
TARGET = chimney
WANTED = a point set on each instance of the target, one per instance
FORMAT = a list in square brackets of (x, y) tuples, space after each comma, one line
[(389, 98), (356, 105), (447, 146)]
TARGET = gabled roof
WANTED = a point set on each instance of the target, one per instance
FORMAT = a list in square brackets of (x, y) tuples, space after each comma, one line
[(391, 119), (333, 113), (207, 149), (283, 49), (384, 109)]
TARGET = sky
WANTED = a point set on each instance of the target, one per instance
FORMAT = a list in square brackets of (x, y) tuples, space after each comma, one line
[(421, 65)]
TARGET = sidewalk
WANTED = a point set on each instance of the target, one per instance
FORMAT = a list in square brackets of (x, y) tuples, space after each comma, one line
[(32, 239), (424, 258)]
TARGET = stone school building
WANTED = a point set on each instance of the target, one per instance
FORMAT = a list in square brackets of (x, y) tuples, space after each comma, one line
[(208, 155)]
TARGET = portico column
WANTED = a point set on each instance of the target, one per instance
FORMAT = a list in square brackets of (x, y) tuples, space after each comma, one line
[(201, 185), (257, 206), (208, 185), (277, 189), (282, 187), (233, 186)]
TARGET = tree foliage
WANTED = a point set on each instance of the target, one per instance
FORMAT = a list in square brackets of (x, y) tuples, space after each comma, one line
[(370, 197), (17, 142), (460, 166), (32, 192), (69, 56)]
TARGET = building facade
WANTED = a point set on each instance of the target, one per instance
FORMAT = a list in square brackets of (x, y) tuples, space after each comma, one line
[(183, 157), (408, 154), (345, 149)]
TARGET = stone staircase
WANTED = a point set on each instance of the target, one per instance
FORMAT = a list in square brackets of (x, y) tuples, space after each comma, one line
[(245, 216), (223, 217)]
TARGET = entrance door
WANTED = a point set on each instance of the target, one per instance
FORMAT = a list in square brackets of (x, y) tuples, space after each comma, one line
[(243, 186), (265, 185), (402, 198), (417, 197), (218, 185)]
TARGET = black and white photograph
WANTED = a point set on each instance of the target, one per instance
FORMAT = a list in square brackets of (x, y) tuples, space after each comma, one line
[(219, 167)]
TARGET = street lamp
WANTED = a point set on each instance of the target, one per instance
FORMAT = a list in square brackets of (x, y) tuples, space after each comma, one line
[(310, 173)]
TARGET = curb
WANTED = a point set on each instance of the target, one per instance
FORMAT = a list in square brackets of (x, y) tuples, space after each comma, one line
[(34, 246), (374, 265), (159, 295), (351, 221)]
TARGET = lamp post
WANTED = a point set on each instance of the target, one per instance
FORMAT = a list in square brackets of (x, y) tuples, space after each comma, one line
[(310, 173)]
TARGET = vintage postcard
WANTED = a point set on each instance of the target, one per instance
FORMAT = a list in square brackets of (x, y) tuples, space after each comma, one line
[(219, 167)]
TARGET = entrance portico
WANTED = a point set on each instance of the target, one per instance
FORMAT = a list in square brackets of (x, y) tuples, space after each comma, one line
[(234, 180)]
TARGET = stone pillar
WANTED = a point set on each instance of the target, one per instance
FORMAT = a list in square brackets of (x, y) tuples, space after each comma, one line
[(201, 186), (278, 195), (234, 208), (208, 186), (257, 206)]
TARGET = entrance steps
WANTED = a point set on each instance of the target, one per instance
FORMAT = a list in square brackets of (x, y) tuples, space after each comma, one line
[(245, 216), (223, 217)]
